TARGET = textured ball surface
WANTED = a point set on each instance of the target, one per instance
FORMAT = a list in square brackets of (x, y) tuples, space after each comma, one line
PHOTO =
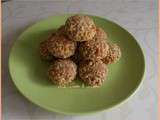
[(80, 28), (94, 49), (113, 55), (61, 30), (43, 49), (62, 72), (61, 47), (93, 73), (100, 34)]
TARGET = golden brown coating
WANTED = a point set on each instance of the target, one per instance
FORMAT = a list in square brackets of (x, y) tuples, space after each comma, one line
[(94, 49), (113, 55), (43, 49), (61, 30), (80, 28), (62, 72), (100, 34), (79, 49), (93, 73), (61, 47)]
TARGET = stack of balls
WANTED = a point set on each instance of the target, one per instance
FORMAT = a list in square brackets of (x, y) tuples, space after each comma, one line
[(79, 48)]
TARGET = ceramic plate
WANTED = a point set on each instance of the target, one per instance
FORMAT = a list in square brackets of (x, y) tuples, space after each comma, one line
[(28, 71)]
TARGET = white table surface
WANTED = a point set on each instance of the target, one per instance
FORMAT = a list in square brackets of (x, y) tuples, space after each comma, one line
[(139, 17)]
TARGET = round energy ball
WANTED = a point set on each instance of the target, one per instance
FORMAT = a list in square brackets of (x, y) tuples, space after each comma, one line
[(100, 34), (94, 49), (61, 47), (93, 73), (114, 54), (80, 28), (61, 30), (43, 49), (62, 72)]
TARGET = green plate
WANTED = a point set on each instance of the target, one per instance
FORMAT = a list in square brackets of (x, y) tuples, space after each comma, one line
[(28, 71)]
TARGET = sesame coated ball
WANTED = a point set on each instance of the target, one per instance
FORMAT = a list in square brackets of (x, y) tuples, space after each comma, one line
[(62, 72), (61, 30), (61, 47), (114, 54), (43, 49), (94, 49), (79, 50), (80, 28), (93, 73), (100, 34)]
